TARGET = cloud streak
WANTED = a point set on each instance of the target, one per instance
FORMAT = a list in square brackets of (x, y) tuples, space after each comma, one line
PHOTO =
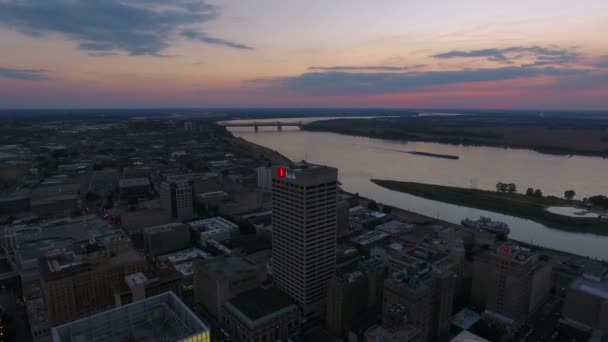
[(137, 27), (203, 37), (24, 74), (366, 68), (540, 55), (350, 83)]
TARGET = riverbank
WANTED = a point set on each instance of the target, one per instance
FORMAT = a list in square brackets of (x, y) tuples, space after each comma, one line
[(562, 137), (264, 152), (527, 207)]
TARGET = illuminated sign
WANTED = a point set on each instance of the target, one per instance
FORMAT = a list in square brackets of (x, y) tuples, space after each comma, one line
[(282, 173)]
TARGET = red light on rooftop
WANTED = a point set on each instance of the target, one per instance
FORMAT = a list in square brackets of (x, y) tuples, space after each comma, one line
[(505, 249), (281, 172)]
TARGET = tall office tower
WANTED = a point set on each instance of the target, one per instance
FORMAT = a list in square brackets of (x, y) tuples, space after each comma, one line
[(177, 197), (304, 232), (511, 282)]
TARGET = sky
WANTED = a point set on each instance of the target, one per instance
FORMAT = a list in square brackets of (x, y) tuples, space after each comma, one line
[(507, 54)]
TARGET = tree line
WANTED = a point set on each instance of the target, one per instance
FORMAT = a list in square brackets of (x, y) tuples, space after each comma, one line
[(512, 188)]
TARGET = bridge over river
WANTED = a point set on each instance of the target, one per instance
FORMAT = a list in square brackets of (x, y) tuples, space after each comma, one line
[(256, 125)]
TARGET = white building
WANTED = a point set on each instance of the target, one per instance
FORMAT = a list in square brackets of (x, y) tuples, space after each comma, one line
[(215, 228)]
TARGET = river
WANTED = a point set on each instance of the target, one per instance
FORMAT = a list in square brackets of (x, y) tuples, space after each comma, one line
[(360, 159)]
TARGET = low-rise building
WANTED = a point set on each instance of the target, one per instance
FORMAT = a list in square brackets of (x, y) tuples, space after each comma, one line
[(55, 206), (181, 262), (395, 227), (163, 317), (261, 314), (146, 284), (14, 204), (219, 279), (365, 241), (399, 333), (466, 336), (166, 238), (216, 228), (134, 221)]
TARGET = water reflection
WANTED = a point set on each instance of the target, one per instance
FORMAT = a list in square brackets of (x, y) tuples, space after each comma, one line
[(360, 159)]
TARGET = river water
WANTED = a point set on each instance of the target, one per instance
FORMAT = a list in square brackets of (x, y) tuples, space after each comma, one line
[(360, 159)]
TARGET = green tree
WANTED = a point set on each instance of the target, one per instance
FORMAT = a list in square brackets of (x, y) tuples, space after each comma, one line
[(511, 187), (529, 192), (500, 186), (569, 194), (538, 193)]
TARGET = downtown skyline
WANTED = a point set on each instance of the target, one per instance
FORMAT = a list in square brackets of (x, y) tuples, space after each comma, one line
[(438, 54)]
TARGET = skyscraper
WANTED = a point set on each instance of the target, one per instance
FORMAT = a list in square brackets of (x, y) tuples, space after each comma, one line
[(304, 232), (176, 195)]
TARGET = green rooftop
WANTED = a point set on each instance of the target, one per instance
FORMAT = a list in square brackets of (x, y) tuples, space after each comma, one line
[(258, 306)]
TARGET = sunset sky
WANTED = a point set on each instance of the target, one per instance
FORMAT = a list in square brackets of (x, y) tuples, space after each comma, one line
[(546, 54)]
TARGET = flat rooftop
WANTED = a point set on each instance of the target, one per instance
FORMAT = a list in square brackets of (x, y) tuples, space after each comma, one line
[(465, 318), (595, 288), (160, 318), (225, 267), (466, 336), (184, 255), (395, 227), (258, 306), (369, 237), (129, 182), (214, 223), (163, 228)]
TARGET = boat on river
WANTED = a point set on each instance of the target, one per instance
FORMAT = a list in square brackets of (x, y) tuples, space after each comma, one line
[(486, 223)]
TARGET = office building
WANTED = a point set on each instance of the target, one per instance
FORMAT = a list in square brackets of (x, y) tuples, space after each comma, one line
[(177, 197), (354, 296), (163, 317), (264, 177), (219, 279), (511, 282), (304, 232), (342, 218), (134, 187), (586, 304), (422, 286), (166, 238), (261, 314), (77, 281)]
